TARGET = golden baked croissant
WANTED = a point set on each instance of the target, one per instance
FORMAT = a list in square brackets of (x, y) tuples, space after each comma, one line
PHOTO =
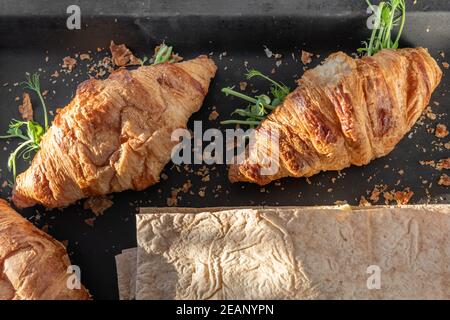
[(33, 264), (344, 112), (115, 134)]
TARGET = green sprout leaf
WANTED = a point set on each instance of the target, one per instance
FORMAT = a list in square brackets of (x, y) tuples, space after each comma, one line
[(390, 14), (164, 54), (34, 131), (261, 105)]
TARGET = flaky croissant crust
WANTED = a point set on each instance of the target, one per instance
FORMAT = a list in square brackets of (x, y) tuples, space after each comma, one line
[(344, 112), (33, 264), (115, 134)]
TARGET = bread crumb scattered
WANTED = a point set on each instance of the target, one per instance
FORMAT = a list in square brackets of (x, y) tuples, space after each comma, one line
[(403, 197), (164, 176), (85, 56), (69, 63), (98, 205), (122, 56), (26, 108), (242, 85), (363, 202), (444, 180), (376, 192), (441, 131), (213, 115), (443, 164), (90, 221), (306, 57)]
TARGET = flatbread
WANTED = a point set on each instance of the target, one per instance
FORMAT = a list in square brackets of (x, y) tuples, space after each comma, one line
[(126, 273), (295, 253)]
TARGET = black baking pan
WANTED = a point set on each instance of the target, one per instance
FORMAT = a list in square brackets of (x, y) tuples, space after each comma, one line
[(234, 33)]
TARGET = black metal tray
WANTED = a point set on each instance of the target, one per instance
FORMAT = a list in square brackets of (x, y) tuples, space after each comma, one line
[(30, 31)]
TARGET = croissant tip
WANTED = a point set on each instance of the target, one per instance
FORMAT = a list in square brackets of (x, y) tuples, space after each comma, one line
[(20, 201)]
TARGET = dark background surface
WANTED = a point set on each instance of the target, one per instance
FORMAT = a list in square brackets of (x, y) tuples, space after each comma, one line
[(32, 30)]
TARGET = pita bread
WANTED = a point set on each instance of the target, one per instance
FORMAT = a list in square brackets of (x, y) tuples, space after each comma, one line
[(126, 273), (294, 253)]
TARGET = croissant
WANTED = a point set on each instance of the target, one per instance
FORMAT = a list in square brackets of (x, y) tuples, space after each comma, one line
[(33, 264), (344, 112), (115, 134)]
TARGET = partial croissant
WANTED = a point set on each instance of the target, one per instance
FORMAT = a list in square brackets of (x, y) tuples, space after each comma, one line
[(34, 266), (344, 112), (115, 134)]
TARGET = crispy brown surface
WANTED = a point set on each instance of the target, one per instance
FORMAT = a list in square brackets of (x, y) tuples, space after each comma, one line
[(115, 134), (345, 112), (33, 264)]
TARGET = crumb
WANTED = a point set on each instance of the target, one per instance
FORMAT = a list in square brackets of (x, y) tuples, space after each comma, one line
[(201, 193), (187, 186), (90, 221), (403, 197), (363, 202), (69, 63), (213, 115), (376, 192), (122, 56), (445, 65), (444, 180), (164, 176), (172, 201), (430, 163), (443, 164), (268, 52), (277, 55), (430, 114), (340, 202), (55, 74), (441, 131), (85, 56), (243, 85), (98, 205), (447, 145), (26, 108), (306, 57)]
